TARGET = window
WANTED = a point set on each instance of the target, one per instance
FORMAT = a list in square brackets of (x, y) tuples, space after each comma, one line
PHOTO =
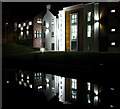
[(52, 22), (88, 86), (38, 75), (74, 84), (73, 45), (74, 18), (74, 32), (44, 23), (19, 25), (52, 34), (52, 46), (27, 32), (89, 16), (74, 88), (39, 20), (35, 34), (89, 31), (24, 24), (30, 23)]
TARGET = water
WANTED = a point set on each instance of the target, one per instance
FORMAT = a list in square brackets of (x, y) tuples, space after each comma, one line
[(26, 88)]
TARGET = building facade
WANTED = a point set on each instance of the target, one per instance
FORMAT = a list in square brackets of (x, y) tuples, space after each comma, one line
[(89, 27)]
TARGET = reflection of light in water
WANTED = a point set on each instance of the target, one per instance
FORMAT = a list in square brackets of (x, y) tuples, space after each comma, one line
[(47, 85), (20, 82), (25, 84), (22, 75), (111, 106), (47, 80), (112, 89), (30, 85), (39, 87), (96, 100), (27, 76), (8, 82), (27, 81)]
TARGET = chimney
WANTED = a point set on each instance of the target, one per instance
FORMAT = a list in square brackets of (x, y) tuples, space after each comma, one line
[(48, 7)]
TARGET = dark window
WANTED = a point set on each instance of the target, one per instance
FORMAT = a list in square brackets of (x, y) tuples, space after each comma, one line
[(73, 45), (52, 46), (44, 23), (52, 34)]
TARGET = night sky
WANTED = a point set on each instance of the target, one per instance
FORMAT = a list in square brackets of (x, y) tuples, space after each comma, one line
[(27, 10)]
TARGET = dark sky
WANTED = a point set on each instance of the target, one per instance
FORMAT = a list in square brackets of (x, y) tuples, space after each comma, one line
[(26, 10)]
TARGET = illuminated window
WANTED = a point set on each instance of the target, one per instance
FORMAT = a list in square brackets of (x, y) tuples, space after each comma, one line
[(35, 34), (74, 84), (39, 87), (38, 75), (52, 34), (74, 94), (27, 27), (112, 30), (112, 11), (39, 20), (89, 31), (24, 24), (89, 16), (74, 88), (113, 43), (28, 81), (88, 86), (74, 18), (74, 32), (30, 23), (19, 25)]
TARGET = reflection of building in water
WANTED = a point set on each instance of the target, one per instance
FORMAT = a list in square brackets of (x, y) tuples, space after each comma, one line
[(70, 90)]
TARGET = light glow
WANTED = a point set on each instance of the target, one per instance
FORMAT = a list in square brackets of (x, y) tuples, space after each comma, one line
[(39, 87), (24, 24), (22, 75), (88, 84), (42, 49), (20, 82), (27, 76), (30, 86), (19, 25), (27, 27), (47, 25), (28, 81), (112, 89), (111, 106), (7, 82), (47, 31), (112, 30), (25, 84), (27, 32), (30, 23), (112, 11), (112, 43), (21, 28)]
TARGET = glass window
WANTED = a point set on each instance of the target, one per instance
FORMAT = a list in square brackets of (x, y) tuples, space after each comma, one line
[(73, 45), (89, 16), (88, 85), (74, 84), (89, 29), (52, 46), (74, 32), (52, 34), (74, 18), (52, 22), (35, 34)]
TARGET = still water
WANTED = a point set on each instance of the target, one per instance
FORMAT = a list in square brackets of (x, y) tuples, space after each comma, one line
[(29, 88)]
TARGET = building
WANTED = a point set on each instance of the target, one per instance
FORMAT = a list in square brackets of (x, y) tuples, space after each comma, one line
[(49, 31), (25, 33), (37, 29), (86, 27)]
